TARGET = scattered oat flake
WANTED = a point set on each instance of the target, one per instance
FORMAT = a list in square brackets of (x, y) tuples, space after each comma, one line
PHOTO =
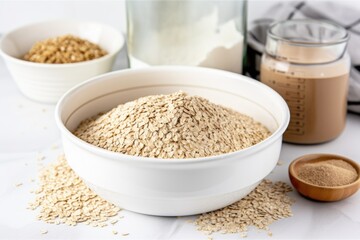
[(125, 234), (114, 221), (62, 196), (18, 184), (114, 232), (267, 203), (279, 163), (102, 224), (243, 235), (40, 157), (43, 231)]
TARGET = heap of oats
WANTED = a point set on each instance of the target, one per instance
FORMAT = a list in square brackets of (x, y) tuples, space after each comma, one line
[(64, 198), (267, 203), (172, 126), (64, 49)]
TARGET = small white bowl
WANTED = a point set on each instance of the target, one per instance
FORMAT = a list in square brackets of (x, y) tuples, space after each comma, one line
[(47, 82), (172, 187)]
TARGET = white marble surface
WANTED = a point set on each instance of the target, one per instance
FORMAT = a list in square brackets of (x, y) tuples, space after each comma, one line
[(27, 128)]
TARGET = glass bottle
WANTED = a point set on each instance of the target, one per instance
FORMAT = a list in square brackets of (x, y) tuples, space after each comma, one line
[(187, 32)]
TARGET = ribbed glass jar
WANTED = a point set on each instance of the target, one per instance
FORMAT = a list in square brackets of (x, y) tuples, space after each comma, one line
[(307, 63)]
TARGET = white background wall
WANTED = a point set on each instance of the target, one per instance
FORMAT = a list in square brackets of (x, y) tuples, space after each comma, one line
[(15, 13)]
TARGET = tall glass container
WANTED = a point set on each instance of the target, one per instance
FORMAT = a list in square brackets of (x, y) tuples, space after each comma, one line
[(187, 32), (307, 63)]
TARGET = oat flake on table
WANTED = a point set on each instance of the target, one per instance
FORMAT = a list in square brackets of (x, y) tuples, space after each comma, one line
[(62, 197), (267, 203), (172, 126)]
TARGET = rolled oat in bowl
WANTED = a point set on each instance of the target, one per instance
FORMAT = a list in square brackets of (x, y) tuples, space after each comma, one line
[(172, 126), (64, 49)]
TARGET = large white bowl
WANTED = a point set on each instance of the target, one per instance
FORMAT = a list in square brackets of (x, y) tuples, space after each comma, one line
[(172, 187), (48, 82)]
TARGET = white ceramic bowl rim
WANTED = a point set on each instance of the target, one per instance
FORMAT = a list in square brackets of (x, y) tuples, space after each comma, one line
[(61, 65), (120, 156)]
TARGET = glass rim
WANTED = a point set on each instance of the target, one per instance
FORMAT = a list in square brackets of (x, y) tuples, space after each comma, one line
[(342, 39)]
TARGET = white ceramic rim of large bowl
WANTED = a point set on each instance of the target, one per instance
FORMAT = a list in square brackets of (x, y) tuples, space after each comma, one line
[(129, 158), (61, 65)]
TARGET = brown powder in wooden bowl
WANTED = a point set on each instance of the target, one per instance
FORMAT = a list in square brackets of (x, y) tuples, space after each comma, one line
[(328, 173)]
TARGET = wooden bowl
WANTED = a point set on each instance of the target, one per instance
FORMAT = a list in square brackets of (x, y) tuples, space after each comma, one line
[(320, 193)]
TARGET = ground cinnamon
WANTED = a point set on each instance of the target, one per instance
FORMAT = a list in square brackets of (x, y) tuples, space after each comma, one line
[(329, 173)]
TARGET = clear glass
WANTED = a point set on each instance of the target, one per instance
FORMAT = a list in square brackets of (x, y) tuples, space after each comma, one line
[(187, 32), (306, 62)]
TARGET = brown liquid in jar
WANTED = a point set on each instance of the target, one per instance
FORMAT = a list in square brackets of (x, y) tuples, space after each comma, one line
[(317, 105)]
